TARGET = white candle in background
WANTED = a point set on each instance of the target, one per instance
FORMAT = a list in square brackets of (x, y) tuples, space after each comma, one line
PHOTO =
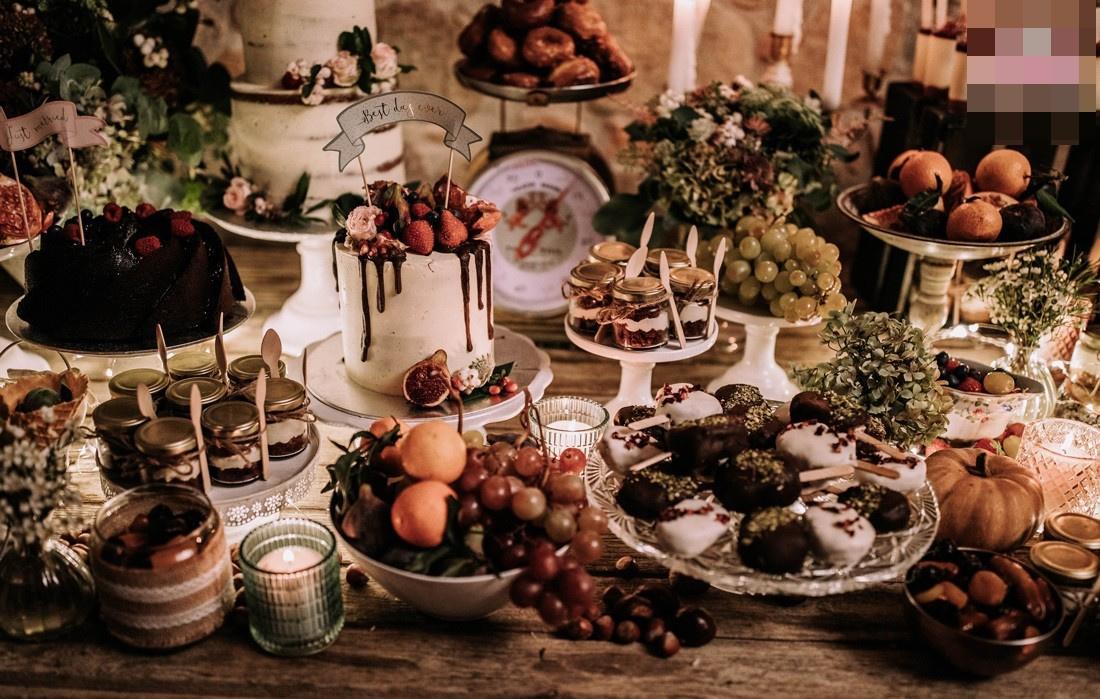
[(681, 62), (941, 13), (876, 38), (840, 12), (920, 55), (787, 13), (288, 559), (702, 7), (569, 425)]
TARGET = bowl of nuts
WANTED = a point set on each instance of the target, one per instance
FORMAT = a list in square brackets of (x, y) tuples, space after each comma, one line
[(986, 613)]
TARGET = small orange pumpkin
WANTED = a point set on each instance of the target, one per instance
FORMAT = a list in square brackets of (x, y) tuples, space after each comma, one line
[(986, 500)]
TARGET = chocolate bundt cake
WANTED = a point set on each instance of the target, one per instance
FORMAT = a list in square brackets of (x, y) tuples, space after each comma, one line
[(135, 269)]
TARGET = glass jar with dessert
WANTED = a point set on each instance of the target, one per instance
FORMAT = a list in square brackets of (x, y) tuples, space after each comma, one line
[(589, 292), (694, 290), (125, 383), (639, 313), (244, 370), (169, 452), (177, 399), (288, 416), (1083, 385), (233, 450), (115, 422), (614, 252), (676, 260), (192, 364), (161, 566)]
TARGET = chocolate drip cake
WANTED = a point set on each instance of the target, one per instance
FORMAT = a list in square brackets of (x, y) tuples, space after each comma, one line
[(135, 269)]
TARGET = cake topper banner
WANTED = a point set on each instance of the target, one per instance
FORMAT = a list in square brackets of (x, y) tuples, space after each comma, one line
[(382, 110), (51, 119)]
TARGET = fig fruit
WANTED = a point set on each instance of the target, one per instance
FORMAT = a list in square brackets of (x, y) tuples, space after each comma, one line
[(1022, 222), (428, 382)]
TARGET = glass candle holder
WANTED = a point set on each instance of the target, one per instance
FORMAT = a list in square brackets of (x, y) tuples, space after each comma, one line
[(562, 422), (292, 584), (1065, 455)]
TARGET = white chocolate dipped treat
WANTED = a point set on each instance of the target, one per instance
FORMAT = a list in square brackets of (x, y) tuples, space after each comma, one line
[(622, 447), (691, 526), (815, 445), (911, 471), (685, 401), (839, 534)]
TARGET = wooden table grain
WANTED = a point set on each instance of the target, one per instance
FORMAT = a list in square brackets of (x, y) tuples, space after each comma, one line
[(854, 645)]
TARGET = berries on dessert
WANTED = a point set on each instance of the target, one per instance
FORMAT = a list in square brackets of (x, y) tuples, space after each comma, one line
[(145, 210), (451, 232), (72, 231), (420, 210), (419, 237), (181, 225), (147, 245), (112, 212)]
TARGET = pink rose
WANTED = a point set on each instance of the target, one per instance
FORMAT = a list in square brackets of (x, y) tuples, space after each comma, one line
[(345, 69), (235, 197), (361, 222), (316, 96), (385, 61)]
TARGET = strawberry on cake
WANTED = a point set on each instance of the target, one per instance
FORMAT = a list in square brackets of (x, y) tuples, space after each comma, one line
[(416, 291)]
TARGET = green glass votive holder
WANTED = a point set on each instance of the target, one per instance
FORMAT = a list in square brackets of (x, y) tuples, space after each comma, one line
[(292, 584)]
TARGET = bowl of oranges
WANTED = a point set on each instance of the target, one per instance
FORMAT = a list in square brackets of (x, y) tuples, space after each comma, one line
[(458, 528)]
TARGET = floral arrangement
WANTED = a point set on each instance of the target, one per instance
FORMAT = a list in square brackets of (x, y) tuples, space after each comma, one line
[(722, 151), (1035, 292), (373, 68), (883, 364), (34, 482), (228, 189), (129, 63)]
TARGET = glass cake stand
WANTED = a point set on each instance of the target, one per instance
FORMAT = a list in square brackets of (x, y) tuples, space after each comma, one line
[(890, 556)]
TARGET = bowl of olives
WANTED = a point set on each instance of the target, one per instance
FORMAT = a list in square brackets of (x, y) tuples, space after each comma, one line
[(987, 400)]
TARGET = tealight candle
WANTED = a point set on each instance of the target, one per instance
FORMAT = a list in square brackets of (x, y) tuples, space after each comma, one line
[(562, 422), (1065, 456), (290, 559)]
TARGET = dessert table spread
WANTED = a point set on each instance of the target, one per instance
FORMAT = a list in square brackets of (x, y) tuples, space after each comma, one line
[(857, 644)]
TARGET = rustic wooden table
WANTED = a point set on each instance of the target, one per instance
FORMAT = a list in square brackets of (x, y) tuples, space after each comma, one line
[(851, 645)]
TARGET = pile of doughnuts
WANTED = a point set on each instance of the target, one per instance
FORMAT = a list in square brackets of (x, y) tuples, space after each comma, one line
[(541, 43)]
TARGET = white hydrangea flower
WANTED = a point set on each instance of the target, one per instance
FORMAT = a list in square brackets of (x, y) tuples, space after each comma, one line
[(729, 133), (702, 128), (668, 102), (466, 380)]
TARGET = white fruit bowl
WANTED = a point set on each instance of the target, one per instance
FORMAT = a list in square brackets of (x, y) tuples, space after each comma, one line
[(984, 415)]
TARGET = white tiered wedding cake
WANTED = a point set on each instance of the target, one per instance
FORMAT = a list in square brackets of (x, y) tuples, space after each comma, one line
[(275, 136)]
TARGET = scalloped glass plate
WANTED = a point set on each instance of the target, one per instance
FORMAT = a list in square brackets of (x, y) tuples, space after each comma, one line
[(890, 556)]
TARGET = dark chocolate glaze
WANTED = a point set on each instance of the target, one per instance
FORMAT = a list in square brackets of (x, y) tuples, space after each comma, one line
[(464, 272)]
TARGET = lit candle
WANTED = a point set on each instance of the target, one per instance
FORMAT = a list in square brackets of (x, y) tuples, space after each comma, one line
[(569, 425), (876, 39), (681, 62), (840, 12), (921, 53), (941, 13), (787, 13), (288, 559)]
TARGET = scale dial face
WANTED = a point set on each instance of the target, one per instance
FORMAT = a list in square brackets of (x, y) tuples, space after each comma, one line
[(548, 200)]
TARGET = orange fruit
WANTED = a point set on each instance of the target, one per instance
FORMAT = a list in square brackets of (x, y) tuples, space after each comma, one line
[(894, 171), (433, 451), (390, 455), (419, 513), (974, 221), (1006, 171), (920, 171)]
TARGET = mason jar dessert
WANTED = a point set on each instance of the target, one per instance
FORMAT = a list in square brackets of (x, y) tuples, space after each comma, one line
[(589, 292), (676, 259), (614, 252), (177, 399), (115, 422), (161, 566), (192, 363), (233, 452), (244, 370), (1083, 384), (693, 289), (169, 452), (288, 416), (639, 309), (126, 383)]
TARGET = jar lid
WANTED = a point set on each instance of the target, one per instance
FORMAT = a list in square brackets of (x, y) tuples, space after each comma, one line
[(166, 436), (1074, 527), (126, 383), (247, 368), (231, 419), (588, 275), (1065, 560), (282, 395), (684, 279), (192, 363), (676, 258), (615, 252), (120, 413), (210, 391), (639, 290), (1090, 337)]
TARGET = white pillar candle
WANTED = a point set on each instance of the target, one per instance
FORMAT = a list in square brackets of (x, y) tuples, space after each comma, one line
[(920, 55), (925, 14), (941, 13), (289, 559), (702, 7), (681, 62), (787, 13), (840, 12), (876, 38)]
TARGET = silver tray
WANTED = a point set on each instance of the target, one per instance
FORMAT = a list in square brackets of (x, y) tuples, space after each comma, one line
[(542, 96)]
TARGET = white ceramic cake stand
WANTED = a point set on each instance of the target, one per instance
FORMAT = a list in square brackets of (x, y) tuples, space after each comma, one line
[(16, 357), (636, 376), (312, 312), (758, 366), (338, 400)]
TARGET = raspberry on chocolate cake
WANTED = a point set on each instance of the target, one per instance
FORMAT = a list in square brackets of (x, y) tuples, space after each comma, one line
[(135, 270)]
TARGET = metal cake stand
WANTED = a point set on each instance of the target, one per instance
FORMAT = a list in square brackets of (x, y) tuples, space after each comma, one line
[(17, 357)]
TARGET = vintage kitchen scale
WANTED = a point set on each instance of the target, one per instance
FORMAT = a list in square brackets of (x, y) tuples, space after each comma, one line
[(549, 184)]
